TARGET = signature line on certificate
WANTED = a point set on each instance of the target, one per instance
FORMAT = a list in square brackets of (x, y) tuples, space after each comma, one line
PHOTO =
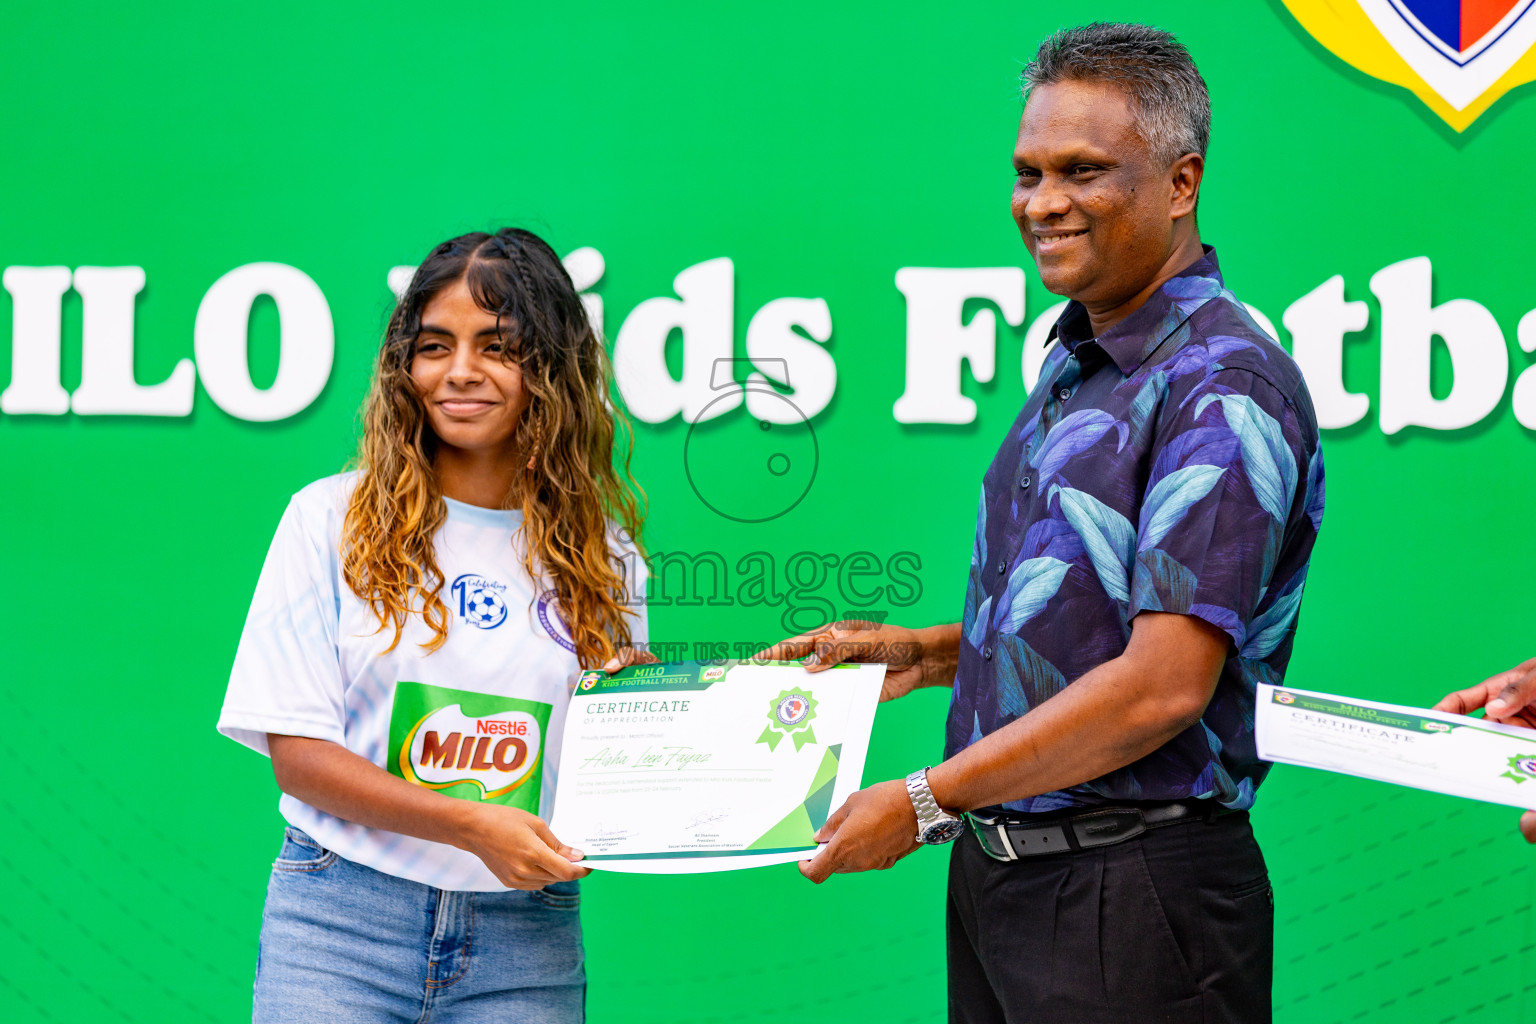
[(663, 771)]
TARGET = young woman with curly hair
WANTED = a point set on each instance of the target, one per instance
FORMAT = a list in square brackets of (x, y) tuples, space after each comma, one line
[(411, 648)]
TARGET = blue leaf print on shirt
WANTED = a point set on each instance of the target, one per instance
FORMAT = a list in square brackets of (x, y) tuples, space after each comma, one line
[(1267, 458), (1211, 446), (1273, 538), (1051, 536), (976, 632), (1260, 672), (1031, 586), (1206, 359), (1315, 489), (1266, 631), (1076, 433), (1188, 295), (978, 559), (1222, 618), (1025, 679), (1050, 368), (1204, 786), (1163, 583), (1152, 391), (1223, 345), (1243, 798), (969, 618), (1107, 535), (1194, 286), (1212, 741), (979, 549), (1170, 498)]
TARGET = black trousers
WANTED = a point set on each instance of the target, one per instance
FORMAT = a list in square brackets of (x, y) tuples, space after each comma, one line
[(1175, 925)]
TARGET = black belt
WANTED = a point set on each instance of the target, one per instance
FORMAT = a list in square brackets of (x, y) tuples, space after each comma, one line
[(1008, 837)]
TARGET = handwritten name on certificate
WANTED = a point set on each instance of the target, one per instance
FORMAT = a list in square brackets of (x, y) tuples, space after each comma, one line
[(697, 766), (1430, 750)]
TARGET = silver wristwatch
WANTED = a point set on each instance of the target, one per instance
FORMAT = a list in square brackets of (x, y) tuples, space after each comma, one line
[(934, 824)]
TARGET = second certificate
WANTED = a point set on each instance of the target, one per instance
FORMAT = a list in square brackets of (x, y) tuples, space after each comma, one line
[(705, 767)]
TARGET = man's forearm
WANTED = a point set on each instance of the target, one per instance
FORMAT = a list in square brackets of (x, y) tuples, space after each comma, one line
[(1114, 715), (1087, 730)]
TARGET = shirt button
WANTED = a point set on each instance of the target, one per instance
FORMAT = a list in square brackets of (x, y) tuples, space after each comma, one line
[(1002, 567), (986, 652), (1024, 482), (1064, 394)]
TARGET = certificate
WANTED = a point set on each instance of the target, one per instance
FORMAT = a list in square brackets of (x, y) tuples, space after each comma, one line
[(1433, 750), (710, 766)]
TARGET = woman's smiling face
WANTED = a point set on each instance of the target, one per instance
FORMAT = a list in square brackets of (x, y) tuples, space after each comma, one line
[(472, 390)]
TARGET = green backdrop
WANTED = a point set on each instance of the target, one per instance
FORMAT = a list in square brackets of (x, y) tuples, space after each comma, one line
[(822, 147)]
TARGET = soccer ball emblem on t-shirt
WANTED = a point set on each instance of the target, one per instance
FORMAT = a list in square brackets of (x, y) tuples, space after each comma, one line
[(479, 602)]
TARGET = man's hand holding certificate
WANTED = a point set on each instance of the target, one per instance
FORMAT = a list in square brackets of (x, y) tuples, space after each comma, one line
[(706, 767)]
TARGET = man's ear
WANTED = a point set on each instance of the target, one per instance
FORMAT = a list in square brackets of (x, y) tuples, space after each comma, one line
[(1184, 180)]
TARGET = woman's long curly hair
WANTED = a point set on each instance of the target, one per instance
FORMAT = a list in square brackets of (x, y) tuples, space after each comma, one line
[(572, 497)]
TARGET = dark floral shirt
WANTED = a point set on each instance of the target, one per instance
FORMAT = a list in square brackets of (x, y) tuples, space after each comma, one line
[(1171, 465)]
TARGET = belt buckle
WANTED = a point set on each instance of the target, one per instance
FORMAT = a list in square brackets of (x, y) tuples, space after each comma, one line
[(986, 828)]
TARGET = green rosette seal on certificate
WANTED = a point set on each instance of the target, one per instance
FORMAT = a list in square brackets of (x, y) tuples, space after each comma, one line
[(790, 714)]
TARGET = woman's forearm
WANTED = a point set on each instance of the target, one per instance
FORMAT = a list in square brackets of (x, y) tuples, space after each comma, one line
[(331, 778)]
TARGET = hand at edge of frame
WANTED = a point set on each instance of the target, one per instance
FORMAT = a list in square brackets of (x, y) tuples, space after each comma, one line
[(1508, 697)]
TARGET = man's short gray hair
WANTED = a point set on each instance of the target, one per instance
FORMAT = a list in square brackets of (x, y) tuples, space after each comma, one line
[(1154, 69)]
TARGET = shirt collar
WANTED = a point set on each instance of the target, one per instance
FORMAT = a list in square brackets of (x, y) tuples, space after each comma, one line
[(1131, 341)]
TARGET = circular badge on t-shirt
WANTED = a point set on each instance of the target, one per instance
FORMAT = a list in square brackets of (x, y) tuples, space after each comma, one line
[(479, 600), (553, 623)]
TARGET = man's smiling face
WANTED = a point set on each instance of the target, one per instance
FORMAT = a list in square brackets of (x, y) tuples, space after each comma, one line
[(1094, 207)]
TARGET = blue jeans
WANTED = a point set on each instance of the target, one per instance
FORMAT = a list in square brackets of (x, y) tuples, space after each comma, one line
[(345, 944)]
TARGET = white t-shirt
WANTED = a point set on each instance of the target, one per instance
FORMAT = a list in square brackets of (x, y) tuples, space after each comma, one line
[(480, 718)]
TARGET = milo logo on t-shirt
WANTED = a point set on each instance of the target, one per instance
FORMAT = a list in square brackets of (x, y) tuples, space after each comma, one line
[(473, 746)]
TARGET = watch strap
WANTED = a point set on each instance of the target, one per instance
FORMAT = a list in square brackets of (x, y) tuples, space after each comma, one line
[(927, 808), (935, 825)]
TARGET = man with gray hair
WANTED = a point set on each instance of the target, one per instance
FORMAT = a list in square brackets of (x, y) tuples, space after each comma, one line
[(1141, 546)]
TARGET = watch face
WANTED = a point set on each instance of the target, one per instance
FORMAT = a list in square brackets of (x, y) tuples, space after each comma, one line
[(942, 832)]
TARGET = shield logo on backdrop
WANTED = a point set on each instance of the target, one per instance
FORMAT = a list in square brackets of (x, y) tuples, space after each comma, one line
[(1458, 56)]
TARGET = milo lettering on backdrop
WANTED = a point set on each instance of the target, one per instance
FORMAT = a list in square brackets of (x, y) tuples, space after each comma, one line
[(473, 746)]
